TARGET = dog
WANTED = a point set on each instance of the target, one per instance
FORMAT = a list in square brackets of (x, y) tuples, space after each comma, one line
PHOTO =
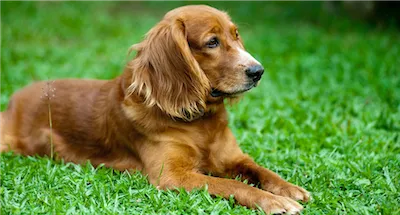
[(164, 115)]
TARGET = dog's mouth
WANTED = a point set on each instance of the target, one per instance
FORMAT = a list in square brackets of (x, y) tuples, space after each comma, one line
[(218, 93)]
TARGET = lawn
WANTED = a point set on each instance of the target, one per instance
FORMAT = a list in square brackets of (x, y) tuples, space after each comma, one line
[(326, 115)]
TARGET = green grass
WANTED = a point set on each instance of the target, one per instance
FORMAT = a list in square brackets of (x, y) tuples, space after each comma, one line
[(326, 115)]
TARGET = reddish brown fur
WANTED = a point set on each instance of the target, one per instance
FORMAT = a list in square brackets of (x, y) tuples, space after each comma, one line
[(158, 116)]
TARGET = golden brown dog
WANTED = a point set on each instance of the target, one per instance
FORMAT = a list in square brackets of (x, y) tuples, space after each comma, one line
[(165, 115)]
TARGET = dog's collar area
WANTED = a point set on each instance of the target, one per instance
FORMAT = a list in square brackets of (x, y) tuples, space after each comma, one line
[(201, 114)]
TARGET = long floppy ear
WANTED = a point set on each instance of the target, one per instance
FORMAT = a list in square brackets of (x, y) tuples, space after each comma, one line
[(166, 74)]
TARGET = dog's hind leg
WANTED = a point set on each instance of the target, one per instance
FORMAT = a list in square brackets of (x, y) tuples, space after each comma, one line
[(44, 142), (3, 145), (6, 140), (37, 143)]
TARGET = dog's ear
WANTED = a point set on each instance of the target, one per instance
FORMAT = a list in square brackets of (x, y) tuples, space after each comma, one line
[(166, 74)]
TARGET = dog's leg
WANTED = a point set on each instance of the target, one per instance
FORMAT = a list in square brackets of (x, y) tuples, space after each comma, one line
[(230, 161), (268, 180), (41, 142), (176, 167), (244, 194), (5, 140)]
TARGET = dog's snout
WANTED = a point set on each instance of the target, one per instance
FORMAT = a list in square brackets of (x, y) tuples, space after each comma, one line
[(255, 72)]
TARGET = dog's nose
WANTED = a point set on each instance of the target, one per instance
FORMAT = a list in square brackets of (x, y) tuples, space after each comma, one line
[(255, 72)]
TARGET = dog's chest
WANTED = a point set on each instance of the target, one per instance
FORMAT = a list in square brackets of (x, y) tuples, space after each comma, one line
[(209, 140)]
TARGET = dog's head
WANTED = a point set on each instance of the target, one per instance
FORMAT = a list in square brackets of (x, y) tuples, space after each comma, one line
[(193, 54)]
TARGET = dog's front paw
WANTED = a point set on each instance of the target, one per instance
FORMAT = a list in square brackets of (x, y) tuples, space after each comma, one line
[(293, 192), (280, 205)]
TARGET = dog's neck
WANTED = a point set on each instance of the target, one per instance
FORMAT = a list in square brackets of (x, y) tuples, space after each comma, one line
[(211, 108)]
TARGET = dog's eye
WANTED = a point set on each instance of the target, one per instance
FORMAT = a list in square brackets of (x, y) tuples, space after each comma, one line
[(237, 34), (212, 43)]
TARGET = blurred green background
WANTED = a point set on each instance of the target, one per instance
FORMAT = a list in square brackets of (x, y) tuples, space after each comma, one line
[(326, 115)]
